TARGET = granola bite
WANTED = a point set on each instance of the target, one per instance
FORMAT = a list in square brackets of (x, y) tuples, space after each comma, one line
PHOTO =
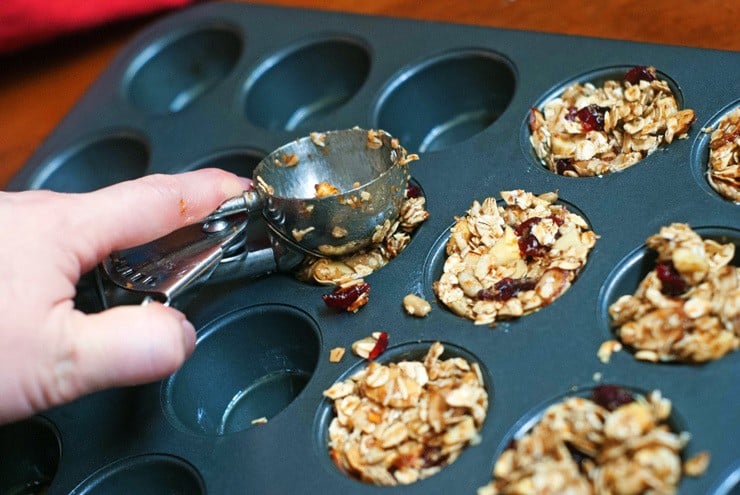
[(507, 261), (402, 422), (723, 172), (613, 442), (688, 307), (589, 131)]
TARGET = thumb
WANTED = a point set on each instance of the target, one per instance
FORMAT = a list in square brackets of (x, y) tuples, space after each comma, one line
[(126, 345)]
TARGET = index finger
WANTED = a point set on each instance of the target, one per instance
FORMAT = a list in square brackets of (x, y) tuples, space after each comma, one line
[(139, 211)]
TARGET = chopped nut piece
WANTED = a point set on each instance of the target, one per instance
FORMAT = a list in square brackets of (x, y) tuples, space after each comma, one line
[(416, 306), (686, 309), (324, 189), (723, 171), (589, 131), (402, 422), (580, 447), (696, 465), (507, 261), (336, 354), (607, 349), (260, 421)]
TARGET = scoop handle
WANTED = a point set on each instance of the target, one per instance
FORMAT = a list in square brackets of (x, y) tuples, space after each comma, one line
[(248, 201)]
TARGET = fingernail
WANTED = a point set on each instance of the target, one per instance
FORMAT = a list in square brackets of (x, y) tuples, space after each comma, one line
[(246, 183), (188, 336)]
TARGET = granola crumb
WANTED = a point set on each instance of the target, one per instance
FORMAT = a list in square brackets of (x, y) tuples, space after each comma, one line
[(336, 354), (260, 421), (298, 235), (318, 138), (416, 306), (607, 349), (597, 376), (697, 464), (325, 189)]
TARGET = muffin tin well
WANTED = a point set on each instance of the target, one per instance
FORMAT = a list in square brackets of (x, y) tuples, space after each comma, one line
[(223, 85)]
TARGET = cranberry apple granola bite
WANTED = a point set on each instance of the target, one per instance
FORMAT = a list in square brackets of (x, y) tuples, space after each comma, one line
[(402, 422), (508, 261), (611, 443), (589, 131), (688, 307), (724, 157)]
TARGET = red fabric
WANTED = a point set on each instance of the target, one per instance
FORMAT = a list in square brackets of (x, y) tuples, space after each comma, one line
[(28, 22)]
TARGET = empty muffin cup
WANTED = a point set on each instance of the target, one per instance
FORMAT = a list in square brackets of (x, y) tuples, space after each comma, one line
[(175, 70), (446, 99), (94, 164), (247, 367), (293, 89), (150, 474), (30, 452)]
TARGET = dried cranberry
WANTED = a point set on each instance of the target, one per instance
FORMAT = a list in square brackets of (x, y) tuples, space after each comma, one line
[(592, 117), (349, 298), (611, 396), (639, 73), (413, 191), (557, 219), (529, 246), (380, 346), (563, 165), (506, 288), (672, 284)]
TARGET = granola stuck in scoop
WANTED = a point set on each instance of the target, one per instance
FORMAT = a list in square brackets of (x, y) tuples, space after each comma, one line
[(389, 240), (507, 261), (402, 422), (723, 172), (589, 131), (612, 443), (688, 307)]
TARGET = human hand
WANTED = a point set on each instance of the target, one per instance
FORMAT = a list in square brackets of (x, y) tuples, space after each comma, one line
[(50, 352)]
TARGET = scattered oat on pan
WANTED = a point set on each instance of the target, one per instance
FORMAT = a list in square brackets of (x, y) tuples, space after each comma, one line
[(402, 422), (336, 354), (507, 261), (590, 131), (389, 240), (723, 172), (688, 307), (612, 443)]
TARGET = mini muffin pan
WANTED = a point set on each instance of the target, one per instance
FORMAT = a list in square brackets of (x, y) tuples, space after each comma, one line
[(224, 84)]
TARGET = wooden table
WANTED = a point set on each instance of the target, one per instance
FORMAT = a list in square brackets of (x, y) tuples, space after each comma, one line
[(40, 85)]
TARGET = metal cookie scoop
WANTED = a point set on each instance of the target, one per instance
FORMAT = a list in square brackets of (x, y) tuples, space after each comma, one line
[(327, 194)]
